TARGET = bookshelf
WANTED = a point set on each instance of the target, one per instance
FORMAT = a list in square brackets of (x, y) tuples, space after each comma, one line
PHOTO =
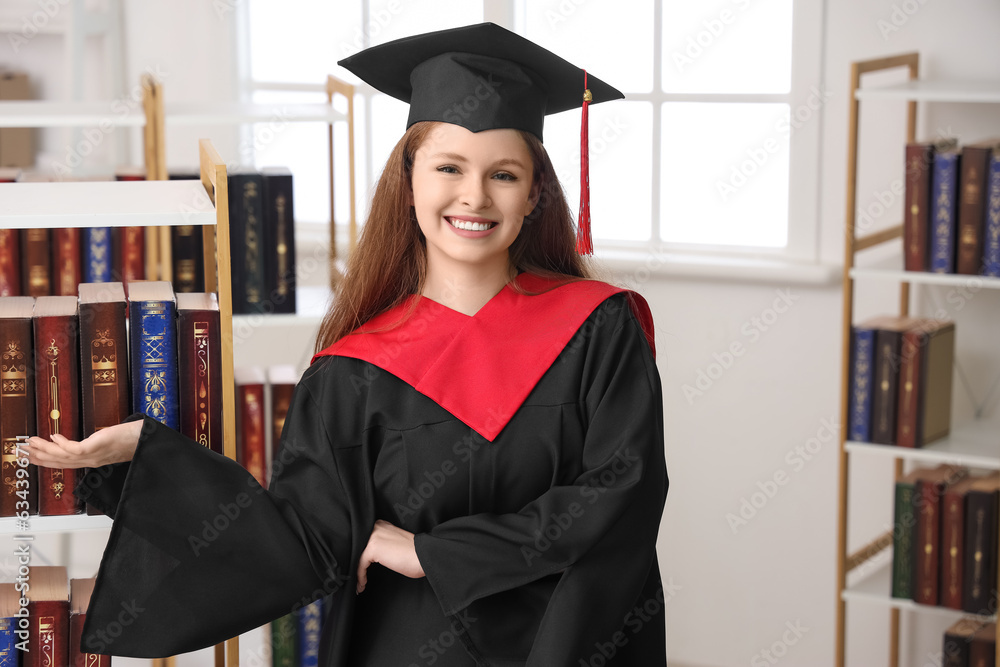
[(865, 575)]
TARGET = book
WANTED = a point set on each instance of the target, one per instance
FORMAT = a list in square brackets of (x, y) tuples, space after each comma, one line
[(885, 393), (281, 379), (972, 206), (983, 647), (79, 600), (250, 428), (129, 245), (57, 397), (953, 542), (862, 378), (279, 239), (957, 641), (929, 487), (284, 639), (980, 567), (187, 257), (902, 536), (97, 254), (916, 205), (246, 233), (36, 262), (927, 351), (66, 270), (10, 262), (153, 351), (199, 360), (17, 403), (9, 607), (991, 235), (944, 191), (48, 613), (310, 625)]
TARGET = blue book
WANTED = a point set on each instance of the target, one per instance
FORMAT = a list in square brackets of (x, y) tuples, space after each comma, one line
[(944, 211), (991, 239), (310, 624), (153, 350), (96, 254), (862, 369), (8, 641)]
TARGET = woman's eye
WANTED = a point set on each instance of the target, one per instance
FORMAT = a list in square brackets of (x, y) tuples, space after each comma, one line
[(505, 176), (448, 169)]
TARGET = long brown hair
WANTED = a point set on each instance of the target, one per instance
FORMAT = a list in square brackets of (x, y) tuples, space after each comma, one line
[(389, 262)]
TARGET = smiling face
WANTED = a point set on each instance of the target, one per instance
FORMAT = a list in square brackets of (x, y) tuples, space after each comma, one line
[(471, 191)]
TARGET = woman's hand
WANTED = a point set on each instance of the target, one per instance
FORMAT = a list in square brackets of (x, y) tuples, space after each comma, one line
[(109, 445), (391, 547)]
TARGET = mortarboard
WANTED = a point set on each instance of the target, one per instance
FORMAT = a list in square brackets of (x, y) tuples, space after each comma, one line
[(485, 77)]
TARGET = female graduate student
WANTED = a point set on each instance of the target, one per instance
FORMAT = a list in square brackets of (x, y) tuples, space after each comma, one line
[(471, 468)]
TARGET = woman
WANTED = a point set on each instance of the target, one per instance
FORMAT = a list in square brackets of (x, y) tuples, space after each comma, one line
[(472, 466)]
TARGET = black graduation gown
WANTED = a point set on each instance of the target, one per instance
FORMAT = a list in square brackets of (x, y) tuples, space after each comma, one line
[(538, 546)]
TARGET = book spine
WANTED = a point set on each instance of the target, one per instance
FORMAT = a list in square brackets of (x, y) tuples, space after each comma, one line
[(971, 209), (48, 643), (36, 269), (983, 647), (253, 258), (186, 246), (78, 658), (281, 399), (279, 228), (909, 384), (133, 258), (861, 385), (8, 642), (979, 596), (200, 367), (66, 271), (885, 392), (237, 243), (97, 254), (928, 516), (944, 186), (991, 236), (310, 625), (10, 262), (17, 413), (952, 549), (955, 652), (902, 542), (283, 640), (250, 436), (57, 411), (154, 361), (919, 158)]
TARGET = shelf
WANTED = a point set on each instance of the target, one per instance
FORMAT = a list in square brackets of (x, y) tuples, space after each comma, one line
[(18, 113), (974, 444), (104, 204), (50, 524), (934, 91), (311, 304), (228, 113), (927, 278)]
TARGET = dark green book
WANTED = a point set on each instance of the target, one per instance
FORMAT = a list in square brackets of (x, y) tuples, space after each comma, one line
[(903, 525), (284, 634)]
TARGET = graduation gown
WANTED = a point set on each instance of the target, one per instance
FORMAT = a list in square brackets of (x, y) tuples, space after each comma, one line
[(523, 446)]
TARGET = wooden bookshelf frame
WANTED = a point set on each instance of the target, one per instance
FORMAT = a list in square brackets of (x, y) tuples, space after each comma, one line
[(335, 86), (853, 244)]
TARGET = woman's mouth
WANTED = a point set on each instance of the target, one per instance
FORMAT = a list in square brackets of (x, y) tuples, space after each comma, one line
[(479, 225)]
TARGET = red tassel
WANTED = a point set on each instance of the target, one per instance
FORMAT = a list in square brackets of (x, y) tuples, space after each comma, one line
[(584, 243)]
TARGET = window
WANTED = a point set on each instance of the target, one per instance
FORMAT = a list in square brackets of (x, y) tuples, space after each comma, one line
[(714, 149)]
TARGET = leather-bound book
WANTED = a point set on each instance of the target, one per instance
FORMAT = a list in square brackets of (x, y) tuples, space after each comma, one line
[(97, 254), (944, 194), (80, 591), (980, 568), (48, 614), (916, 207), (10, 262), (991, 236), (187, 257), (908, 403), (862, 385), (310, 626), (983, 648), (246, 234), (9, 607), (957, 641), (250, 424), (279, 239), (36, 262), (282, 380), (953, 542), (888, 340), (104, 371), (902, 536), (17, 400), (199, 357), (927, 351), (972, 206), (929, 488), (130, 242), (66, 270), (284, 638), (153, 350), (57, 396)]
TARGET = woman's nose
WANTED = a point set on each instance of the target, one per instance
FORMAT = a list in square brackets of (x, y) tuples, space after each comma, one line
[(475, 194)]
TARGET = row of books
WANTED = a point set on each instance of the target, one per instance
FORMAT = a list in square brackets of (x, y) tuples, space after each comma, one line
[(951, 215), (945, 539), (900, 384), (57, 608), (52, 262), (75, 365), (295, 636), (970, 642)]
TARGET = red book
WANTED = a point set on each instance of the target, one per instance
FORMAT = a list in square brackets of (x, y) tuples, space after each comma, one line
[(282, 380), (972, 206), (10, 262), (36, 263), (983, 648), (916, 222), (130, 241), (66, 261), (930, 487), (199, 365), (17, 401), (953, 542), (909, 375), (57, 396), (79, 599), (250, 429), (48, 617)]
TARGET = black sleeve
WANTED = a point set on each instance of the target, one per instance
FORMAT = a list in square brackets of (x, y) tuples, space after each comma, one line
[(199, 552), (598, 531)]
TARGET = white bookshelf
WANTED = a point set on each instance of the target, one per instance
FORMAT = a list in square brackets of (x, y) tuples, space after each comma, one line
[(234, 113), (975, 444), (54, 524), (934, 91), (17, 113), (926, 277)]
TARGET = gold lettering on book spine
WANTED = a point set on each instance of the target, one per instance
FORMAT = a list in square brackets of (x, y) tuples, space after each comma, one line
[(55, 417), (13, 383), (67, 284), (204, 388), (252, 256), (884, 386), (47, 639), (281, 206)]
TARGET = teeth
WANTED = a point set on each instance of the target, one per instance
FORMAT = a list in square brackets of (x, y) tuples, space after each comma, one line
[(470, 226)]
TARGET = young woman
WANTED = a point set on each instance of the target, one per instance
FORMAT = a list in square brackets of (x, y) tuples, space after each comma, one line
[(472, 466)]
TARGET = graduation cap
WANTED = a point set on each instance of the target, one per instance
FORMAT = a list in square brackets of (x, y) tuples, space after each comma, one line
[(485, 77)]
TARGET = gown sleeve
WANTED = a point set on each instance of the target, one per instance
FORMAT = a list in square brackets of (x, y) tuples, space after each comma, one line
[(598, 530), (199, 552)]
